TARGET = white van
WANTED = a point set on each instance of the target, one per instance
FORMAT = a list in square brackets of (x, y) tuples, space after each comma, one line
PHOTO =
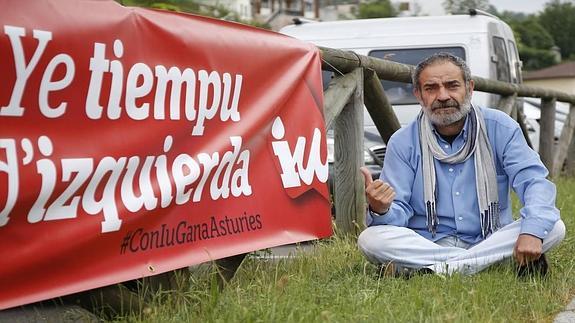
[(485, 42)]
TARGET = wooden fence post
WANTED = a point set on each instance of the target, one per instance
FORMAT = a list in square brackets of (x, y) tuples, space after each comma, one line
[(349, 188), (523, 126), (337, 95), (507, 103), (570, 162), (547, 134), (379, 107)]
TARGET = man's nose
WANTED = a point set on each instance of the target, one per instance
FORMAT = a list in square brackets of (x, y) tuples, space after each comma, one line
[(443, 94)]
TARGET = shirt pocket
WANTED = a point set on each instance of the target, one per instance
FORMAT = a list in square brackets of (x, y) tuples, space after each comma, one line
[(503, 190)]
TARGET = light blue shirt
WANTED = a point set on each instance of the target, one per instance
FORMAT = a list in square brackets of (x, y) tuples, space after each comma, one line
[(457, 208)]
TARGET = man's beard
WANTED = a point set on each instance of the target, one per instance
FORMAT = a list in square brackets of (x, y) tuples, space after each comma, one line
[(446, 119)]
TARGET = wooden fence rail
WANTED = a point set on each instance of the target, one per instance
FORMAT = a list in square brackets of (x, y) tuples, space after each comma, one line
[(358, 85)]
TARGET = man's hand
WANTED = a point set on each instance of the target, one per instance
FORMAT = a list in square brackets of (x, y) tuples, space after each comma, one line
[(379, 194), (527, 249)]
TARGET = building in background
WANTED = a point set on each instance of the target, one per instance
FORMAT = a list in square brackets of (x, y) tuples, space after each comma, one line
[(278, 13), (559, 77), (243, 8), (419, 8)]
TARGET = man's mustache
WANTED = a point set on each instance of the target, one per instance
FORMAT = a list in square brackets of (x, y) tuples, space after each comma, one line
[(451, 103)]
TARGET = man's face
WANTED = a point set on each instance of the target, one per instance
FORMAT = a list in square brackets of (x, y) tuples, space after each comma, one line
[(442, 94)]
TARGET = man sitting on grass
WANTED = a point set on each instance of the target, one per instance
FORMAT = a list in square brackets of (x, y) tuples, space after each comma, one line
[(442, 203)]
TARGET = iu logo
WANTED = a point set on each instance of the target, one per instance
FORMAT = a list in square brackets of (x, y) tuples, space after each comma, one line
[(292, 163)]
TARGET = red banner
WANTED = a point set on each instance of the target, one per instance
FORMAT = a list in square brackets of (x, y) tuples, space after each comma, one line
[(134, 142)]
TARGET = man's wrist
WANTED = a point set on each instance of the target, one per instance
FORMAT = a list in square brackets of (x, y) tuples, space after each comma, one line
[(376, 214), (532, 235)]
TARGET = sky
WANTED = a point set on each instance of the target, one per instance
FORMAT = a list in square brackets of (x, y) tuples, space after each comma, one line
[(434, 7)]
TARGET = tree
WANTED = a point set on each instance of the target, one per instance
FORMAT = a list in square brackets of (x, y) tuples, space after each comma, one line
[(533, 34), (535, 58), (376, 9), (463, 6), (559, 19), (510, 16), (534, 42)]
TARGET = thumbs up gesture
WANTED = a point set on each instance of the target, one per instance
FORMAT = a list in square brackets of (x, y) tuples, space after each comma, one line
[(378, 193)]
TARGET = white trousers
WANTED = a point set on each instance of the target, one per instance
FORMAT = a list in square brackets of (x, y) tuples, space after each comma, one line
[(384, 244)]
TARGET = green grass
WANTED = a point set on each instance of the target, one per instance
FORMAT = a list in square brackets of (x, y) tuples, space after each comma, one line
[(336, 284)]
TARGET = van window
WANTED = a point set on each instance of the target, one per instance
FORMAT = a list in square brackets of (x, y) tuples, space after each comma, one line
[(516, 71), (501, 61), (401, 93)]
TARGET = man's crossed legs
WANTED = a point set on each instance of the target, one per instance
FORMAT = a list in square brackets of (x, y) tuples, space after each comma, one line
[(403, 247)]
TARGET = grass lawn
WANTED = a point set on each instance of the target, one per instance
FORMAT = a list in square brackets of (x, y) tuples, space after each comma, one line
[(335, 284)]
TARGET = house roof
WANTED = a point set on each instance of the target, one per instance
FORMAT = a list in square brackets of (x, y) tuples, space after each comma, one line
[(564, 70)]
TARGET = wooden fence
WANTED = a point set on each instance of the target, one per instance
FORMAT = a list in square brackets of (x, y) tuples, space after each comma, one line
[(358, 84)]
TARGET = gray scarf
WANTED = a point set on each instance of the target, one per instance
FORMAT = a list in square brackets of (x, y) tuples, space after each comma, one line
[(485, 176)]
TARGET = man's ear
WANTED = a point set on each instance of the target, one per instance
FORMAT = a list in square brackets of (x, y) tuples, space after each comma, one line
[(471, 86)]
